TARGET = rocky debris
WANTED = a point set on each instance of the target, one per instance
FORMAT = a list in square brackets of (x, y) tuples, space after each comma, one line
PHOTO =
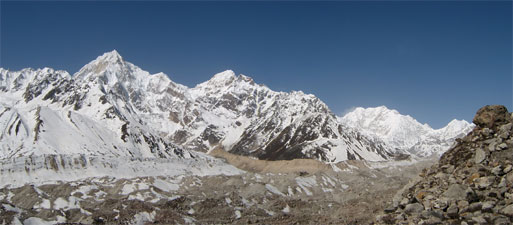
[(319, 196), (471, 184)]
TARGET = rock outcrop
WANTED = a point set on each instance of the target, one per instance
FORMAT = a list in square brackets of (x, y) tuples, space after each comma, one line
[(471, 184)]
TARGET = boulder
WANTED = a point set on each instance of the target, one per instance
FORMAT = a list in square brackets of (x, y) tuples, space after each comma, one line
[(491, 116)]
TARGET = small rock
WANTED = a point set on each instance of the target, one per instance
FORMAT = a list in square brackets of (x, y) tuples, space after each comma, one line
[(505, 130), (404, 201), (497, 171), (400, 217), (508, 210), (492, 146), (480, 156), (501, 146), (448, 168), (462, 204), (486, 132), (413, 208), (475, 206), (433, 221), (479, 220), (484, 182), (441, 203), (501, 220), (452, 211), (473, 177), (509, 178), (503, 183), (507, 169), (456, 191), (488, 206)]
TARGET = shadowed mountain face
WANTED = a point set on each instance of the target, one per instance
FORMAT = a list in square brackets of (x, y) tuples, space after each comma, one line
[(112, 107)]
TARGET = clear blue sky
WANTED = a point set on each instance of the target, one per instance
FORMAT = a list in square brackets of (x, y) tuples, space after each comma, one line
[(432, 60)]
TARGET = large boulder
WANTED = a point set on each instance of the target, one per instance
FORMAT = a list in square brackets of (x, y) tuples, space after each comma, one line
[(492, 116)]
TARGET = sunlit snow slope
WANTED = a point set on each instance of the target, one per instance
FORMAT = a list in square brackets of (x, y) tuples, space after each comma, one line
[(404, 132)]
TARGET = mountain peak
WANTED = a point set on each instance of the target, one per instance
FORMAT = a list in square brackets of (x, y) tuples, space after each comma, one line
[(224, 76), (112, 56), (219, 79)]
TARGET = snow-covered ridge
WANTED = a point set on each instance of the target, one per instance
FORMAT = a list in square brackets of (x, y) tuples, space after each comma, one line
[(404, 132), (112, 107)]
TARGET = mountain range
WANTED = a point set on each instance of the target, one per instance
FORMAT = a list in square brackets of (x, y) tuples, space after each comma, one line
[(112, 108), (404, 133)]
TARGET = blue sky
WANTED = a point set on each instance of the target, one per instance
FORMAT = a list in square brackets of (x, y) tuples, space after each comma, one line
[(433, 60)]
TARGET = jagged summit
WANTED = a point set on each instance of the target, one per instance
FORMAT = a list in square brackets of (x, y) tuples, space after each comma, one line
[(112, 56)]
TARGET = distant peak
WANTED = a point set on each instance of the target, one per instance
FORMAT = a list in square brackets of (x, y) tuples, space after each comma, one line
[(219, 79), (456, 122), (112, 56), (225, 75)]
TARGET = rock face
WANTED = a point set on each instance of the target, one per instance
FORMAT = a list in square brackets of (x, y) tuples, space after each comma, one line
[(471, 184)]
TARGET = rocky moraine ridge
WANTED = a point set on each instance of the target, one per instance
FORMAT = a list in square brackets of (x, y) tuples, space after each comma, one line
[(471, 184)]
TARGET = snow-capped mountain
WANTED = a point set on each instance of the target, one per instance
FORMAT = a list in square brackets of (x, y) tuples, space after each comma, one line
[(112, 107), (402, 132)]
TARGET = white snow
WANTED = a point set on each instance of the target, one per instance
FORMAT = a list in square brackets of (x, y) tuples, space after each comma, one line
[(165, 186), (274, 190), (404, 132)]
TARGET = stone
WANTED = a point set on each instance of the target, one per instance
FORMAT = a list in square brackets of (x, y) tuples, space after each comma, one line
[(487, 132), (505, 130), (400, 217), (501, 220), (441, 203), (508, 210), (507, 169), (413, 208), (475, 206), (509, 178), (479, 220), (497, 171), (433, 221), (501, 146), (484, 182), (452, 211), (456, 191), (462, 204), (491, 116), (448, 168), (492, 146), (404, 201), (488, 206), (503, 183), (473, 177), (480, 156)]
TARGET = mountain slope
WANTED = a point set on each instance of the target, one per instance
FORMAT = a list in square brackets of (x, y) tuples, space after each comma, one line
[(112, 107), (471, 183), (404, 133)]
